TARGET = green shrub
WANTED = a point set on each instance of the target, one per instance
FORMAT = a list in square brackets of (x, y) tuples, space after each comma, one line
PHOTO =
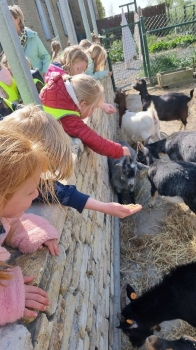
[(163, 63), (116, 51), (166, 44)]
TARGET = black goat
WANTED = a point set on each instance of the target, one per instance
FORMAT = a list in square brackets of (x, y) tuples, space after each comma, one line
[(123, 173), (178, 146), (184, 343), (171, 106), (176, 181), (173, 298)]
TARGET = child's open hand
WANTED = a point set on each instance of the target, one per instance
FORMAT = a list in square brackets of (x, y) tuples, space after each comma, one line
[(110, 74), (108, 108), (52, 245), (121, 211), (35, 298)]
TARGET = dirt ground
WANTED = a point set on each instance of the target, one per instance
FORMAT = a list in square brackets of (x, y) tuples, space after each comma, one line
[(137, 265)]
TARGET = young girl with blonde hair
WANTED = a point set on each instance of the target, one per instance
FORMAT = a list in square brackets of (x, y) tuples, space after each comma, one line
[(97, 56), (42, 127), (72, 61), (24, 165), (56, 49), (71, 101)]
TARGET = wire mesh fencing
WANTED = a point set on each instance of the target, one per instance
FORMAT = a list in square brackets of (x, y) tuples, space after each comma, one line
[(159, 43), (124, 53), (171, 39)]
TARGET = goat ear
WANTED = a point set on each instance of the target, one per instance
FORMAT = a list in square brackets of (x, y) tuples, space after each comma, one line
[(156, 328), (131, 294)]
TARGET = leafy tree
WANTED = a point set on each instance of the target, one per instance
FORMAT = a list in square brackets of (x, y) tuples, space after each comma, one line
[(100, 8)]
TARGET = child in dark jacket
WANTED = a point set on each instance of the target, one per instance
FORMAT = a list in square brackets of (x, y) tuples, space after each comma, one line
[(71, 101), (36, 124)]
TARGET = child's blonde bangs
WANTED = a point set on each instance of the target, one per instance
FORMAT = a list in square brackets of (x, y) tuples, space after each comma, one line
[(41, 127), (20, 158)]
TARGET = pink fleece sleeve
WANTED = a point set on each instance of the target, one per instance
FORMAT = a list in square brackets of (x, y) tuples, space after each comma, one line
[(12, 298), (29, 231)]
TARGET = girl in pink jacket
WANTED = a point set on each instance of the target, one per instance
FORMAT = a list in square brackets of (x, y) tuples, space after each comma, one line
[(21, 163)]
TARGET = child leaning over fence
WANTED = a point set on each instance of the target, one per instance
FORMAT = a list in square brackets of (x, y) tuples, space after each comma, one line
[(71, 101), (36, 124), (22, 162), (97, 57), (72, 61)]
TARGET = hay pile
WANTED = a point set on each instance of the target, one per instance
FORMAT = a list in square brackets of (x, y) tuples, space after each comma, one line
[(146, 258)]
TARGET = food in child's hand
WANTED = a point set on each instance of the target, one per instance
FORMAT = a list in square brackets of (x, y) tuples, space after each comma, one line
[(131, 206)]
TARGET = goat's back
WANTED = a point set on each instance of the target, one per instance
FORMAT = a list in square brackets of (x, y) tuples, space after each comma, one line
[(138, 126), (173, 178), (170, 106), (182, 146)]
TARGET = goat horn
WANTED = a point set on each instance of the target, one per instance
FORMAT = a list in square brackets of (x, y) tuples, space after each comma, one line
[(137, 80), (123, 297), (135, 156), (128, 159), (146, 141)]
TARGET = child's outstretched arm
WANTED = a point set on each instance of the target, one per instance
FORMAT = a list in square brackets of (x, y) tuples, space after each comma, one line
[(29, 232), (96, 75), (75, 127), (69, 196), (112, 208)]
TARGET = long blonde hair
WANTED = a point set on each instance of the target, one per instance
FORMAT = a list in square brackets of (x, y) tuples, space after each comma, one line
[(98, 55), (41, 127), (71, 55), (87, 89), (16, 12), (56, 49), (20, 158)]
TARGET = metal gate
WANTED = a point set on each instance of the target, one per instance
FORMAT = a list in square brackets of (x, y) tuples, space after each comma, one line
[(165, 42), (171, 43), (123, 74)]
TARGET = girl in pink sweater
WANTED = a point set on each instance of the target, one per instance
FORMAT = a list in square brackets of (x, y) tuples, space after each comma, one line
[(21, 164)]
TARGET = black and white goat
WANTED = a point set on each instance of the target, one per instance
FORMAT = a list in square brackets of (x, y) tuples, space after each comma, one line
[(137, 126), (171, 106), (178, 146), (184, 343), (176, 181), (123, 172), (173, 298)]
